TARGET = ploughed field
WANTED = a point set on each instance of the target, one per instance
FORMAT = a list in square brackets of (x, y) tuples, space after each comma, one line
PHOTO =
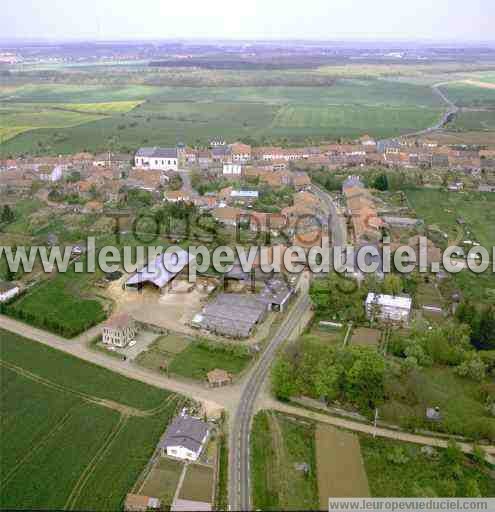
[(74, 435)]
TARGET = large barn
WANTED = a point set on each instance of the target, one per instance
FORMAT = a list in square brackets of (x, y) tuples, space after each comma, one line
[(162, 272)]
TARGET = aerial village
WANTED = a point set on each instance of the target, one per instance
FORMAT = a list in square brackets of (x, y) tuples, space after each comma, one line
[(208, 332)]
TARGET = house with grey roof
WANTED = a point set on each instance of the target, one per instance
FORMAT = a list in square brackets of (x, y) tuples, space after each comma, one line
[(185, 438), (163, 159)]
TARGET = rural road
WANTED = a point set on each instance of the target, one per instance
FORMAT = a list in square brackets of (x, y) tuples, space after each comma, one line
[(239, 466), (338, 224), (452, 110), (355, 426), (78, 347)]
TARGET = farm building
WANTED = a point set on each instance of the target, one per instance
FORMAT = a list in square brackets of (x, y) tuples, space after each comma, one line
[(8, 291), (388, 307), (164, 159), (185, 438), (276, 294), (138, 503), (232, 314), (119, 331), (162, 271)]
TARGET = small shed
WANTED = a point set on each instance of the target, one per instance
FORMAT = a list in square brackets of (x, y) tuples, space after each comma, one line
[(138, 503), (433, 414), (218, 378)]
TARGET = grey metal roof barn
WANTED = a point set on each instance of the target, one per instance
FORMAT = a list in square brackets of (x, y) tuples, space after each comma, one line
[(232, 314), (163, 270), (276, 291), (185, 431)]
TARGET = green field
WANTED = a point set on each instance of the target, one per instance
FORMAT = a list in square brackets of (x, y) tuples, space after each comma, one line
[(279, 445), (441, 209), (17, 118), (477, 120), (97, 117), (467, 95), (60, 427), (200, 358), (61, 304)]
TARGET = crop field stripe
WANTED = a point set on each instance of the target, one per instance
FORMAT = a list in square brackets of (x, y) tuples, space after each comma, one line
[(36, 448), (109, 404), (280, 457), (91, 467)]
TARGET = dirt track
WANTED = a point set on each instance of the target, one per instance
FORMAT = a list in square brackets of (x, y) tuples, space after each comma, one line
[(477, 83)]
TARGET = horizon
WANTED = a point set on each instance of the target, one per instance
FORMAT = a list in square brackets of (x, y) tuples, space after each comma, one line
[(355, 20)]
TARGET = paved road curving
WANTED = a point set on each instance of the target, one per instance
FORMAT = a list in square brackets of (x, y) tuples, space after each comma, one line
[(78, 347), (239, 477)]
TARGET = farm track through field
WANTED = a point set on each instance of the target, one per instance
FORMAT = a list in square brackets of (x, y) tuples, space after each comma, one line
[(109, 404), (91, 467), (42, 442), (281, 457)]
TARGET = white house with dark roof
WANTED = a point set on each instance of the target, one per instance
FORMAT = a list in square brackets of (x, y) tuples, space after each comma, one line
[(185, 438), (163, 159), (389, 307), (119, 331)]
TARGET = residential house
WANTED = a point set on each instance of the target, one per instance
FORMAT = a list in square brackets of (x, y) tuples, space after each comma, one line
[(177, 196), (244, 197), (260, 222), (232, 170), (50, 173), (119, 331), (367, 141), (204, 159), (388, 307), (301, 180), (165, 159), (110, 159), (220, 154), (361, 209), (240, 152), (217, 142), (228, 216), (185, 438), (190, 155)]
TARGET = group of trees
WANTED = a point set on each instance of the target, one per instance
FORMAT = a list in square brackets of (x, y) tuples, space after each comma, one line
[(446, 345), (481, 322), (8, 215), (355, 375)]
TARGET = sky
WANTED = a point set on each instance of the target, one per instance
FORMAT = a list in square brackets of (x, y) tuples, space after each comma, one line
[(404, 20)]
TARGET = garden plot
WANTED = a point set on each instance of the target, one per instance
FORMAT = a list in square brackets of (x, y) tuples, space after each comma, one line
[(341, 472)]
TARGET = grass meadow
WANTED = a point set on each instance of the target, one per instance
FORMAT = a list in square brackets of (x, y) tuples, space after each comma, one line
[(58, 427)]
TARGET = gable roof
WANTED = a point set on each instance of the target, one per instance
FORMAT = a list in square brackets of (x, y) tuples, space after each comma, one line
[(157, 152), (158, 273)]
